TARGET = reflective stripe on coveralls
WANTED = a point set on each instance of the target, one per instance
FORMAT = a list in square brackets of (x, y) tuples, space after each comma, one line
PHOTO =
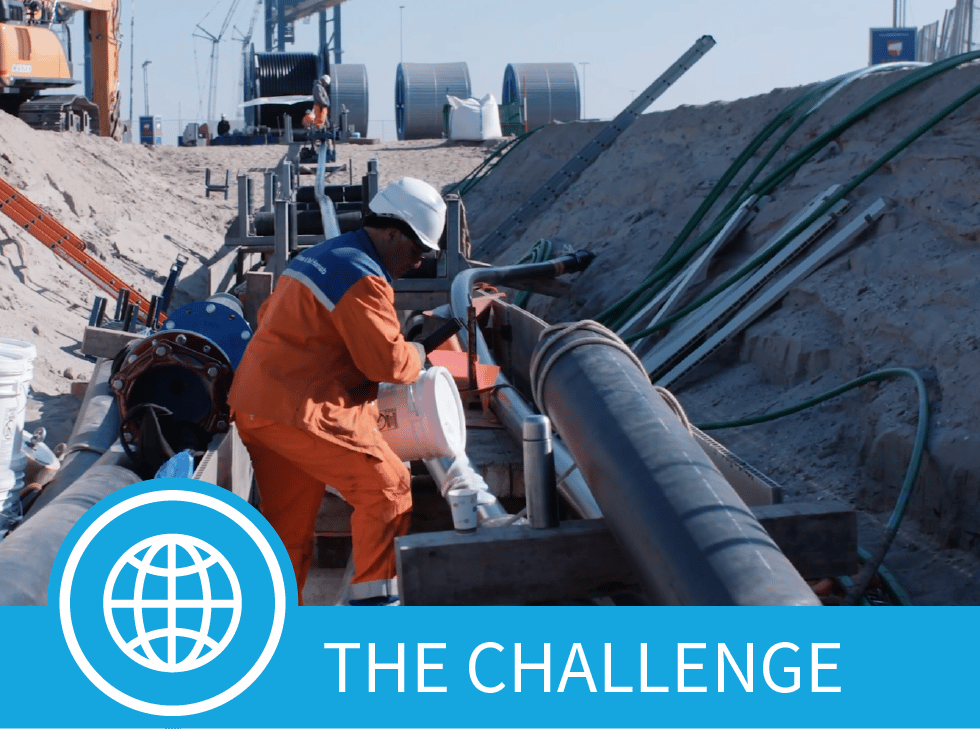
[(291, 468)]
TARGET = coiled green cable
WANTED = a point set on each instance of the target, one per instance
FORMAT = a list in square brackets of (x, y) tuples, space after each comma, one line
[(874, 561), (487, 166)]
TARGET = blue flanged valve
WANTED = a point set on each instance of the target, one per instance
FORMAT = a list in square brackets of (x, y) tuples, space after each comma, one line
[(219, 319), (172, 386)]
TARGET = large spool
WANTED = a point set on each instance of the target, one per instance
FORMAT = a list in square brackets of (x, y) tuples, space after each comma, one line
[(16, 371), (420, 97), (551, 90), (424, 419), (349, 88), (282, 74)]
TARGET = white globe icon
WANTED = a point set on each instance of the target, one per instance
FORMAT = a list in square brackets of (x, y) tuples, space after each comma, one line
[(187, 566)]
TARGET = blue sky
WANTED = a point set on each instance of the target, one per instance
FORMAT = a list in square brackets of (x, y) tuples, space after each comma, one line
[(626, 44)]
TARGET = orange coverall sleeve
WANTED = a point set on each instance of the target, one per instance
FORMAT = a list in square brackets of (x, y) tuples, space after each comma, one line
[(365, 318)]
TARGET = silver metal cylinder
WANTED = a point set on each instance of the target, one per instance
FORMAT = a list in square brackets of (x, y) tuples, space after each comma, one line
[(420, 97), (539, 473), (349, 89), (550, 91)]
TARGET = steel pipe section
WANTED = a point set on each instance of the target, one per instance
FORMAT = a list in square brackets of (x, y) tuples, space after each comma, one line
[(690, 538), (551, 91), (349, 87), (420, 97), (512, 409), (28, 553)]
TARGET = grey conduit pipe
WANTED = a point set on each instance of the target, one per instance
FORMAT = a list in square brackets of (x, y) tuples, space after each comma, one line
[(96, 429), (507, 402), (90, 471), (690, 538)]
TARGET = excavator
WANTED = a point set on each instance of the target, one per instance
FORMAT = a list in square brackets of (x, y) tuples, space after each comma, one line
[(33, 59)]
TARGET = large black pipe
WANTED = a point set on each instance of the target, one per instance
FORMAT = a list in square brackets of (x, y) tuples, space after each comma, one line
[(690, 538), (308, 222)]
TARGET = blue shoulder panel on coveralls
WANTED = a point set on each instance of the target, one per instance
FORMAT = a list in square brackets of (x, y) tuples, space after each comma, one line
[(329, 269)]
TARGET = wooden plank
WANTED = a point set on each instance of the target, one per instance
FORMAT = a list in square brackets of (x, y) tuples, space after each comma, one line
[(105, 343), (258, 288), (226, 464)]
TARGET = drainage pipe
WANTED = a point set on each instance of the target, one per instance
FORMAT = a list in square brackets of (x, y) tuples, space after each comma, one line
[(507, 402), (690, 538)]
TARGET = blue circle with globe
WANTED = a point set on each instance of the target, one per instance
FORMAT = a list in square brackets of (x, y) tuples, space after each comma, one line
[(172, 595), (172, 603)]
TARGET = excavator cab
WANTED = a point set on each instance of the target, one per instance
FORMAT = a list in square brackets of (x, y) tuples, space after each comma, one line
[(32, 59)]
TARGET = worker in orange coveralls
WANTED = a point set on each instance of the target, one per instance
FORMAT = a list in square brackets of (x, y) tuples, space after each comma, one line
[(303, 397)]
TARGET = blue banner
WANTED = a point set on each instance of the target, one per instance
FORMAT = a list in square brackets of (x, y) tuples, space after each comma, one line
[(172, 603), (892, 44)]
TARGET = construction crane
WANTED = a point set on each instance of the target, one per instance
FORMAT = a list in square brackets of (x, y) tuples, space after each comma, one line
[(213, 66), (246, 40)]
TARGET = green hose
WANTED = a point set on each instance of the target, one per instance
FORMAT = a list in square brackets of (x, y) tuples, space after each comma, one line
[(874, 562), (487, 166), (770, 252), (801, 157), (672, 261)]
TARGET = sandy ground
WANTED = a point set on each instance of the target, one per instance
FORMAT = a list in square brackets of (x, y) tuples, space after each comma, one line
[(903, 295)]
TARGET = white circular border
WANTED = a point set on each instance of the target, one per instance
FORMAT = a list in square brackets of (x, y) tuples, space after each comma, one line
[(153, 497)]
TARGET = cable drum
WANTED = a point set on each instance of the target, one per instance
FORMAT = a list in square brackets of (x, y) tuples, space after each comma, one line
[(551, 89), (420, 97), (349, 87), (283, 74)]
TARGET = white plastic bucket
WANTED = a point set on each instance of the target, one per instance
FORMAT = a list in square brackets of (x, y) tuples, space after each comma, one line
[(424, 419), (16, 371)]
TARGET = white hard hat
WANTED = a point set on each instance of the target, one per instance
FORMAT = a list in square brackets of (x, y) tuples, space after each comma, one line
[(325, 78), (418, 204)]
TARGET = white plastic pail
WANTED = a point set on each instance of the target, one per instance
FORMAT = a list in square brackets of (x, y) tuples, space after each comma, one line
[(424, 419), (16, 371)]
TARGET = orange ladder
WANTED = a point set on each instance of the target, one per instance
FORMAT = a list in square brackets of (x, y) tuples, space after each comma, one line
[(64, 243)]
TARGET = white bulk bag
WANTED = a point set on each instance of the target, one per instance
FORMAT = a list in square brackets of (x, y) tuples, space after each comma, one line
[(475, 119)]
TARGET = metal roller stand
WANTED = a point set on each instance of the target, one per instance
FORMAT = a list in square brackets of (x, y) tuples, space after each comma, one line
[(539, 473)]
